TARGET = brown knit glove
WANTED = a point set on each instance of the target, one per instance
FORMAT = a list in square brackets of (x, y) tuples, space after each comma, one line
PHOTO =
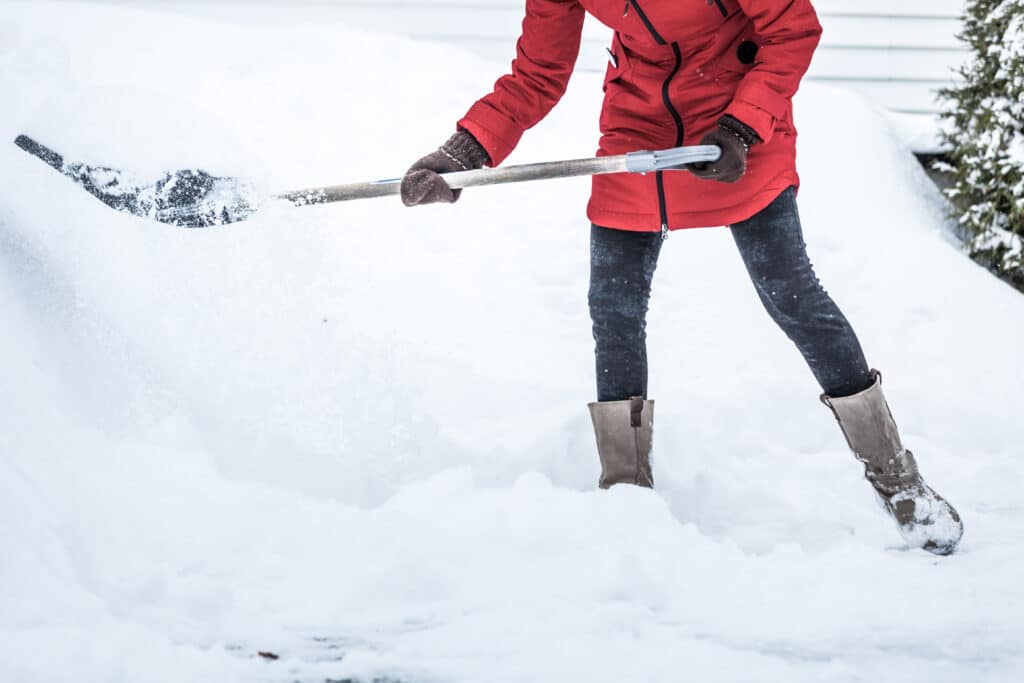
[(422, 183), (735, 138)]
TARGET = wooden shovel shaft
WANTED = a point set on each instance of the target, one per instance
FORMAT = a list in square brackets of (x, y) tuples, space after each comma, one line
[(463, 179), (635, 162), (192, 198)]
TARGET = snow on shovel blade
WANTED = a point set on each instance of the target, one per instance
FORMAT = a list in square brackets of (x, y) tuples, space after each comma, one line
[(186, 198)]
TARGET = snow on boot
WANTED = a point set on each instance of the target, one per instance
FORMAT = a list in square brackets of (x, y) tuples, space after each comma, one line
[(624, 430), (924, 518)]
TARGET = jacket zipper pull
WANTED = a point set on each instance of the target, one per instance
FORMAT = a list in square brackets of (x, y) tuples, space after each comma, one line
[(664, 231)]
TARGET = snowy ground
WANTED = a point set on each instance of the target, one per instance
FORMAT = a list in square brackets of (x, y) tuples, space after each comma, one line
[(356, 435)]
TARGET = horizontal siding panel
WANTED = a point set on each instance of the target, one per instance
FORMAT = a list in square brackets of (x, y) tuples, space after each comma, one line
[(886, 63), (890, 31), (913, 97), (913, 8)]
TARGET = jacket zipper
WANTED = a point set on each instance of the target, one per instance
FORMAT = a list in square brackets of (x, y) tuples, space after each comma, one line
[(721, 7), (673, 112)]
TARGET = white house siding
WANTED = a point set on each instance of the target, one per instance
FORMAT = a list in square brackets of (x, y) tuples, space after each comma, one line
[(895, 52)]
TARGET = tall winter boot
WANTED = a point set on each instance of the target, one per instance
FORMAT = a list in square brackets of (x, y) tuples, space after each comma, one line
[(924, 518), (624, 430)]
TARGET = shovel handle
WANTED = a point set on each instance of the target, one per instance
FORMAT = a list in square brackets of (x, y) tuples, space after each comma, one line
[(676, 158)]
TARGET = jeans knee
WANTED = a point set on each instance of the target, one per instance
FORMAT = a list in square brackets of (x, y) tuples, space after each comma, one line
[(804, 307), (618, 296)]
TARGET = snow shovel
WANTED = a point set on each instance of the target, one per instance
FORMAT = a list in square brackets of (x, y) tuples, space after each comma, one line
[(196, 199)]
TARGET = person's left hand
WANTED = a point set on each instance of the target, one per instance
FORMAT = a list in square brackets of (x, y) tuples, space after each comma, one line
[(734, 138), (423, 184)]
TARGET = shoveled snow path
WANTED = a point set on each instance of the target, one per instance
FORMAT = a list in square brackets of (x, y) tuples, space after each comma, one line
[(367, 424)]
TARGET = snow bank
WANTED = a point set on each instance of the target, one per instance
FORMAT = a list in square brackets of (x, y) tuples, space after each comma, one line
[(356, 435)]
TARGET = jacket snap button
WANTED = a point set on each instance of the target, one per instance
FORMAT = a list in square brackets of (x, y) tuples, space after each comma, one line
[(747, 51)]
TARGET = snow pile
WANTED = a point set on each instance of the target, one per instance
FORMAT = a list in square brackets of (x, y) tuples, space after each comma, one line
[(356, 435)]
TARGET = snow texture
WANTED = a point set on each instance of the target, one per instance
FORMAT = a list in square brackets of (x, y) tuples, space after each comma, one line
[(356, 435)]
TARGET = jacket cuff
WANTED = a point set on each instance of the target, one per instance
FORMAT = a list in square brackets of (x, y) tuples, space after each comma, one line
[(759, 108), (755, 118), (464, 147), (741, 130), (494, 132)]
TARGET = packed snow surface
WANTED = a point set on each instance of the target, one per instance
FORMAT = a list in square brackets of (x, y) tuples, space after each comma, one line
[(356, 436)]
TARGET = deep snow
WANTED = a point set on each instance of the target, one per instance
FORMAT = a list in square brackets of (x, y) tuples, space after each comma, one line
[(360, 430)]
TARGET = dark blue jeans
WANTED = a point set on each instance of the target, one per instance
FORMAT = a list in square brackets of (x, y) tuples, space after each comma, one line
[(771, 244)]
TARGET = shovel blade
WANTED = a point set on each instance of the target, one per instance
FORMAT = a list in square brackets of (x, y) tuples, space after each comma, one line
[(189, 198)]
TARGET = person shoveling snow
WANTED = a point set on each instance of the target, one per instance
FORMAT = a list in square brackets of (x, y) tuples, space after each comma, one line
[(724, 74)]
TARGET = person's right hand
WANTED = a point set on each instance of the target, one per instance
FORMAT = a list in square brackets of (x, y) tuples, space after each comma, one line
[(423, 184), (735, 139)]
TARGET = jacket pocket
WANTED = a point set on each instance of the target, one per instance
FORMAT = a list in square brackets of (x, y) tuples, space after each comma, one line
[(617, 82), (618, 63)]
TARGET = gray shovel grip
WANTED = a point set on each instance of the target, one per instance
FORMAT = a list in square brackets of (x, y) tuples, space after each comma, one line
[(634, 162)]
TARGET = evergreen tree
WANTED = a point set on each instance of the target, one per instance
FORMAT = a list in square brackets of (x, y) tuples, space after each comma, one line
[(986, 137)]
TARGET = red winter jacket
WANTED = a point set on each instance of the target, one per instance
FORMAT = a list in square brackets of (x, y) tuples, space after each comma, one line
[(678, 65)]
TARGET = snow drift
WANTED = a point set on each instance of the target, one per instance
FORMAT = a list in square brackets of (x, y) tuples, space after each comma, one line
[(356, 435)]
